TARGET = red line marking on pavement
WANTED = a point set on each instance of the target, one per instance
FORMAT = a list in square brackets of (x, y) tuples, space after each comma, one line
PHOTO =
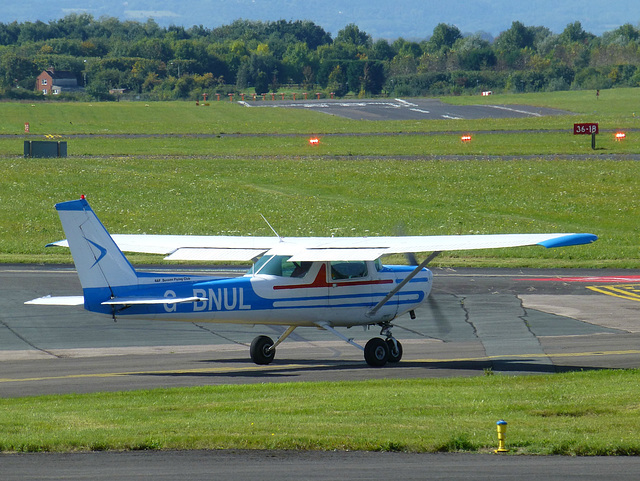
[(587, 279)]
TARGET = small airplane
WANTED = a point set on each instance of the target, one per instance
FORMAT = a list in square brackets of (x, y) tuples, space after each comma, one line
[(320, 282)]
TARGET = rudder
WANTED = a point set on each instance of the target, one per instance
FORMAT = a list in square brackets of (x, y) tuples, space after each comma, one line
[(99, 261)]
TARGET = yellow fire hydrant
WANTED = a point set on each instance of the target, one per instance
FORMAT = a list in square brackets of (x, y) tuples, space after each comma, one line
[(502, 434)]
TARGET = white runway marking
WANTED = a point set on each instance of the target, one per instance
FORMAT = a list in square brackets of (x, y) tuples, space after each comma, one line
[(501, 107), (405, 103)]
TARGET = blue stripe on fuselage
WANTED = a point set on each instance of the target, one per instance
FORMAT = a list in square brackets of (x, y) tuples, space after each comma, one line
[(229, 294)]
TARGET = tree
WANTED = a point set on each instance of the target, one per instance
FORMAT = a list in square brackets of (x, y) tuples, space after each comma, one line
[(373, 77), (307, 32), (296, 59), (574, 32), (444, 36), (622, 35), (351, 34), (515, 38), (381, 50), (33, 32), (514, 46), (99, 90), (405, 48), (16, 67), (184, 85), (150, 82), (78, 26), (355, 72), (337, 82), (261, 83), (9, 33)]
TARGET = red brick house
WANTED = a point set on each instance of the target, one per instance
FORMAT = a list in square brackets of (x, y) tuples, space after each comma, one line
[(53, 81)]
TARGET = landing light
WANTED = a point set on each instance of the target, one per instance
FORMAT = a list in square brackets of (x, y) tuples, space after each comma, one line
[(620, 136), (466, 138), (314, 141)]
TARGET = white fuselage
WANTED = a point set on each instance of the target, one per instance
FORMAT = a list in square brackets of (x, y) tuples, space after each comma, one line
[(338, 293)]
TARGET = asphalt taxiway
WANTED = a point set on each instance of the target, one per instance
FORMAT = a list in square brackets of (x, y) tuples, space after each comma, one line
[(311, 466), (504, 320)]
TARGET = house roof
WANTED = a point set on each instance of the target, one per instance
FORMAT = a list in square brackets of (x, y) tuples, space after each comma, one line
[(61, 74)]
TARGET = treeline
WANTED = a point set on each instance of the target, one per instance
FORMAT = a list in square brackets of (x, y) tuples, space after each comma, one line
[(152, 62)]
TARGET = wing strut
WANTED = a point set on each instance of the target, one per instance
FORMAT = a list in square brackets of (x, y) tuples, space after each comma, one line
[(395, 290), (325, 325), (284, 335)]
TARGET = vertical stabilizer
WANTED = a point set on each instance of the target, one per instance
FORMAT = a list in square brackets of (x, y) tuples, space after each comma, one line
[(99, 261)]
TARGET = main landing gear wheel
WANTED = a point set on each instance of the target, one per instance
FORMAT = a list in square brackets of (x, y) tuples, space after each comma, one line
[(376, 352), (395, 350), (260, 352)]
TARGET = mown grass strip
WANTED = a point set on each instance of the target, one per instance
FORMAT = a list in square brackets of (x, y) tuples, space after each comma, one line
[(333, 197), (424, 146), (580, 413)]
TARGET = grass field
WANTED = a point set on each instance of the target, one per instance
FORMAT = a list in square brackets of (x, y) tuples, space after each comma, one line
[(220, 185), (589, 413), (615, 109), (333, 197)]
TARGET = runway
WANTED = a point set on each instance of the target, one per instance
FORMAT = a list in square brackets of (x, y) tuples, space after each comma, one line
[(408, 109), (503, 320)]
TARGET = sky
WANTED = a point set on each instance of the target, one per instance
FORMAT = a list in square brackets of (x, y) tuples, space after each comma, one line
[(410, 19)]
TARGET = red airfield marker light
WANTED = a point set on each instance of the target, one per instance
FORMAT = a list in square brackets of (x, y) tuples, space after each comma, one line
[(466, 138), (314, 141), (620, 136)]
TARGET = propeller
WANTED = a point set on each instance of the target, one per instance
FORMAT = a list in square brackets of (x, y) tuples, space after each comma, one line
[(411, 258)]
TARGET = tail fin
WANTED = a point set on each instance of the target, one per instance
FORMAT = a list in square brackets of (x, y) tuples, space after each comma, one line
[(99, 261)]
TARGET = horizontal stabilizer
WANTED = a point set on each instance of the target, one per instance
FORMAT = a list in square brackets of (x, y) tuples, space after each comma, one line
[(139, 301), (57, 301)]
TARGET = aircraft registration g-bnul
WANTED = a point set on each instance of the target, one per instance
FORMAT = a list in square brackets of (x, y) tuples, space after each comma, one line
[(321, 282)]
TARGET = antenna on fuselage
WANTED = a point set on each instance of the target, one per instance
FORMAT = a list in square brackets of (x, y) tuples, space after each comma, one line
[(270, 227)]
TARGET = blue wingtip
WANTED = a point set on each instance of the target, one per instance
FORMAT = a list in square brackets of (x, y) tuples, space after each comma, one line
[(569, 240)]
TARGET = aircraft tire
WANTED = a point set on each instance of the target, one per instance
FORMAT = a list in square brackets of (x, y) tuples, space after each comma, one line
[(376, 352), (394, 354), (258, 350)]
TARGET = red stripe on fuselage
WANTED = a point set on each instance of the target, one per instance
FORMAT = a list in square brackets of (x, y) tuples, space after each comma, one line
[(321, 281)]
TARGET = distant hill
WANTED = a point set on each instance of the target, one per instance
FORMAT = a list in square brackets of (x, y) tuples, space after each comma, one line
[(411, 19)]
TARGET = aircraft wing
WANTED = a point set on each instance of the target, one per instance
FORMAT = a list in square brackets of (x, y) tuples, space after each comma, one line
[(188, 247), (370, 248), (236, 248)]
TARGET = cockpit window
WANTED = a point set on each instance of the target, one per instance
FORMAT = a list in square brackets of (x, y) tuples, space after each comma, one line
[(281, 266), (348, 270)]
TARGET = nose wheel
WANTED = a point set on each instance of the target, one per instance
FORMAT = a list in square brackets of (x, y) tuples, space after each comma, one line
[(377, 352), (395, 349)]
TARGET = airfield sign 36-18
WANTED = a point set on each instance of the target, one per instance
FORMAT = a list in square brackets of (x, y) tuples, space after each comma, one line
[(586, 129)]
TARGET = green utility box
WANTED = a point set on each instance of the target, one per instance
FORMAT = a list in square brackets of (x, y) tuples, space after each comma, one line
[(45, 148)]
